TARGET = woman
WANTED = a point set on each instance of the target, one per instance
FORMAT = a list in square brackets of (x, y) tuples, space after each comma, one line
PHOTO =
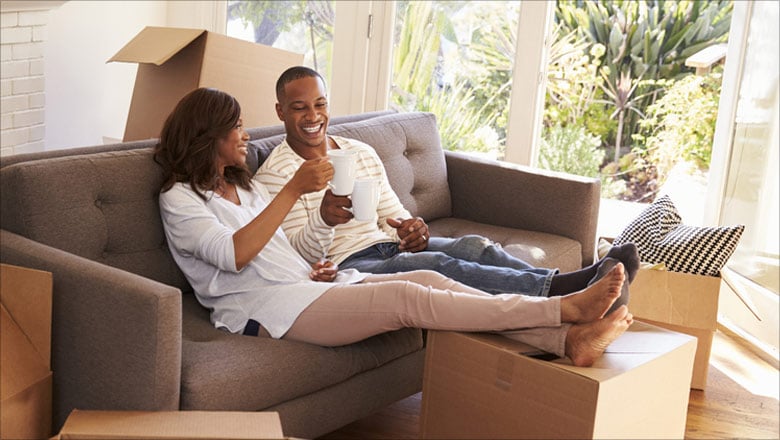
[(224, 233)]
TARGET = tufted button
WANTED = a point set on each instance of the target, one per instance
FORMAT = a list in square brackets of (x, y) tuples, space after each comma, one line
[(406, 152), (99, 203)]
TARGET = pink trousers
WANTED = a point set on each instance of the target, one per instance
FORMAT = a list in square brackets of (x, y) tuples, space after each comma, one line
[(428, 300)]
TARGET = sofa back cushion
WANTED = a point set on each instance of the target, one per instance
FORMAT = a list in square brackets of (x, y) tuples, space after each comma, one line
[(104, 205), (410, 148), (265, 139), (100, 206)]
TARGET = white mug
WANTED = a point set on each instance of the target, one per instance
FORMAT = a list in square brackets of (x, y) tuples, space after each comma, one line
[(365, 197), (343, 171)]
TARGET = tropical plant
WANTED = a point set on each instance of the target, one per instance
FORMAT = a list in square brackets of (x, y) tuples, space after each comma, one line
[(574, 85), (466, 122), (680, 126), (571, 149), (487, 35), (462, 127), (645, 40), (417, 51)]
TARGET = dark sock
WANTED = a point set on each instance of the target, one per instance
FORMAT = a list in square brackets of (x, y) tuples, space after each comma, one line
[(606, 265), (628, 254), (570, 282)]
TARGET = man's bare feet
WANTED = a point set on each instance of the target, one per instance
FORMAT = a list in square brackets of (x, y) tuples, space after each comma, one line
[(593, 302), (586, 342)]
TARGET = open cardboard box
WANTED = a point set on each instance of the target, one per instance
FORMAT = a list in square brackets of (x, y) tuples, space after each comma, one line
[(174, 61), (25, 353), (682, 302), (131, 425), (479, 385)]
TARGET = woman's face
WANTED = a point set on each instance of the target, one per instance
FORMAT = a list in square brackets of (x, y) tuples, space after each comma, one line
[(233, 148)]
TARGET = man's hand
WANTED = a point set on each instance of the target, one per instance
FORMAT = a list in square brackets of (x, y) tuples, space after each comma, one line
[(413, 233), (333, 209), (323, 270)]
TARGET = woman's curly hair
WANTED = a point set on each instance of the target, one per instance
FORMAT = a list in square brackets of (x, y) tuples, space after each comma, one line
[(189, 141)]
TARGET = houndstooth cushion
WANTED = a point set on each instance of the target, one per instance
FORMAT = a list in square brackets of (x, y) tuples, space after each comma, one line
[(661, 237)]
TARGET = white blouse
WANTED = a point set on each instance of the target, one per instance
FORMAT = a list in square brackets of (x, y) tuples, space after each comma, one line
[(273, 289)]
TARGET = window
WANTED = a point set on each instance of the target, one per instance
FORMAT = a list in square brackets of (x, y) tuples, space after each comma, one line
[(455, 59), (298, 26)]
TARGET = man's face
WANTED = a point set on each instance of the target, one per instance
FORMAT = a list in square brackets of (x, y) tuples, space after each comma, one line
[(304, 110)]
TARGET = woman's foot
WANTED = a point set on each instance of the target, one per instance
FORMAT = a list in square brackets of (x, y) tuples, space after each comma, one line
[(586, 342), (607, 265), (593, 302)]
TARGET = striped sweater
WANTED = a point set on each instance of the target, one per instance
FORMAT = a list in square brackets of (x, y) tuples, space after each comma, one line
[(304, 224)]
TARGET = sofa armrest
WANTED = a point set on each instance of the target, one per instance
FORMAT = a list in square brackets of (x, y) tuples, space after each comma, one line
[(116, 336), (504, 194)]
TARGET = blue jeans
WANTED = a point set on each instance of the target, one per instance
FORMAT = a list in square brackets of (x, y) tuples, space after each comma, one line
[(472, 260)]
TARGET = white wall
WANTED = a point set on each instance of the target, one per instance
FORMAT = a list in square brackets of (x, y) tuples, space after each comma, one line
[(87, 99), (22, 41)]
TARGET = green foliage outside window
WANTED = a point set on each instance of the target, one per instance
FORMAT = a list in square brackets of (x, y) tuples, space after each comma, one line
[(681, 125), (455, 59), (645, 41), (571, 149), (273, 20), (616, 74)]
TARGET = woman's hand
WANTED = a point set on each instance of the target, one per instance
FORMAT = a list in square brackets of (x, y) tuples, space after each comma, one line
[(323, 270), (313, 175)]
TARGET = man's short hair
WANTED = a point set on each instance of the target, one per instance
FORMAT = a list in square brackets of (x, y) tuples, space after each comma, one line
[(291, 74)]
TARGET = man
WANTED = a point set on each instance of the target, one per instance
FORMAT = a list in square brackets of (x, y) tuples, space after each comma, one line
[(397, 242)]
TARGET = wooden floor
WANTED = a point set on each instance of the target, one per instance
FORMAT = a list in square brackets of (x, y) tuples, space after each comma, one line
[(741, 401)]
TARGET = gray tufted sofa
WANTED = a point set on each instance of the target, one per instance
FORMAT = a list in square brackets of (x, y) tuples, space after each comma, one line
[(129, 335)]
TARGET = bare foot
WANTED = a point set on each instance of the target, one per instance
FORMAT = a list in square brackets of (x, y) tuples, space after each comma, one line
[(592, 302), (586, 342), (607, 264)]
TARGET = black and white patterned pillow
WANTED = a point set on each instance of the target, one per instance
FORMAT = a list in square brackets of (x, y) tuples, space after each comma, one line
[(661, 237)]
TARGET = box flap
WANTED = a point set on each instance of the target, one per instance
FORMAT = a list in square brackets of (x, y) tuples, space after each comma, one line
[(27, 414), (22, 364), (27, 297), (171, 424), (156, 45)]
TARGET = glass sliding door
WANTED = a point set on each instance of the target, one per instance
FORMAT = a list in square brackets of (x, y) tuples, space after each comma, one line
[(750, 194)]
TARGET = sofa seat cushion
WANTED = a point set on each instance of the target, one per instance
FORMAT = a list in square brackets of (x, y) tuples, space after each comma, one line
[(536, 248), (222, 371)]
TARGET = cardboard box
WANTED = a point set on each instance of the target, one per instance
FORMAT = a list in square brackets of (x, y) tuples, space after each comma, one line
[(171, 425), (681, 302), (174, 61), (479, 385), (25, 353)]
